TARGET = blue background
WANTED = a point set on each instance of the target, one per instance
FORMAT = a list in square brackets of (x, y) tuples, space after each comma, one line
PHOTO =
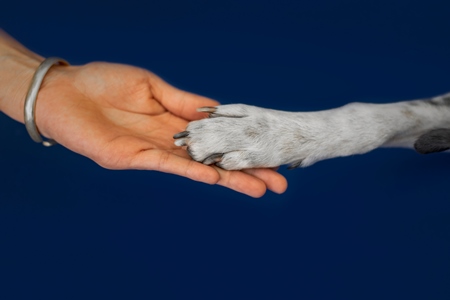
[(375, 226)]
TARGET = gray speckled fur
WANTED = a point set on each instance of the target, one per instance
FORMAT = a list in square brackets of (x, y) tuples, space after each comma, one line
[(239, 136)]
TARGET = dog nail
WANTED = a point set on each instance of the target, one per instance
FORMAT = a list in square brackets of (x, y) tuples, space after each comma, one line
[(295, 165), (181, 135), (217, 157)]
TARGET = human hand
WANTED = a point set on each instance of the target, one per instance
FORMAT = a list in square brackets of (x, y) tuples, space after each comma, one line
[(124, 117)]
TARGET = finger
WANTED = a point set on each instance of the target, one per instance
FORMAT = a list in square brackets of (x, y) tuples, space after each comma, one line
[(274, 181), (180, 103), (167, 162), (185, 104), (160, 160), (241, 182)]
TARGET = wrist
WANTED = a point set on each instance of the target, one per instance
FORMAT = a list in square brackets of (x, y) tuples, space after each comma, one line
[(18, 65), (17, 68)]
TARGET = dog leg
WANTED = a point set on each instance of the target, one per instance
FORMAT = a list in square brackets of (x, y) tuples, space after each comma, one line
[(240, 136)]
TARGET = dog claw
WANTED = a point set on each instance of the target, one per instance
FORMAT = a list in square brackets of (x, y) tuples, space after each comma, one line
[(181, 135), (295, 165), (215, 158)]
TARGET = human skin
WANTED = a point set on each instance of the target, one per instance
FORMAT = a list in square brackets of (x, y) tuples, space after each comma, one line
[(120, 116)]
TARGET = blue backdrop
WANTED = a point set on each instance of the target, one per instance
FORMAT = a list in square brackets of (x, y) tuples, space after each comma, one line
[(375, 226)]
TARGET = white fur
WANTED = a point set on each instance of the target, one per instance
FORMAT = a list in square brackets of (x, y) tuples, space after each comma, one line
[(241, 136)]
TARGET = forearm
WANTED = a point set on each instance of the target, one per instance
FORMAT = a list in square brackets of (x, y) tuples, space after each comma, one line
[(357, 128), (17, 66)]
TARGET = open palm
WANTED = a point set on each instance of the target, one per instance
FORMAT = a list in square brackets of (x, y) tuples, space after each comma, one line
[(124, 117)]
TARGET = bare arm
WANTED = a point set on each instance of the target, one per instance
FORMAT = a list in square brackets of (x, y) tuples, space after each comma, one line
[(120, 116), (17, 65)]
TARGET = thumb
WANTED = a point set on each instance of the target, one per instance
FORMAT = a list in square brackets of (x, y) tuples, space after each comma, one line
[(179, 102)]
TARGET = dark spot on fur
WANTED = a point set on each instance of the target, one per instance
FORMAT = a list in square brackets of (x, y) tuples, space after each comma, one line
[(298, 137), (262, 124), (446, 99), (288, 149), (251, 132), (440, 100), (434, 101), (407, 113), (437, 140), (253, 158)]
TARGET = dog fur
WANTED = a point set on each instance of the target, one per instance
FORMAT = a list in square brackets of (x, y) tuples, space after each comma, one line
[(239, 136)]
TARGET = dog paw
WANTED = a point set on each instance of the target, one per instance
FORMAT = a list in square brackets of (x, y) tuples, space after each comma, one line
[(238, 136)]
